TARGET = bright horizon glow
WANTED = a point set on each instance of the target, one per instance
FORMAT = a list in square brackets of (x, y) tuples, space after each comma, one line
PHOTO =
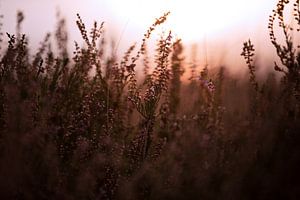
[(218, 27), (191, 20)]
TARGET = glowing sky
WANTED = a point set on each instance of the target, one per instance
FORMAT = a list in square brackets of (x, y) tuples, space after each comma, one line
[(191, 19), (223, 22)]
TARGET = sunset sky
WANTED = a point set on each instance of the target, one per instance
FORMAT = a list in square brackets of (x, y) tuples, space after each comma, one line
[(222, 24)]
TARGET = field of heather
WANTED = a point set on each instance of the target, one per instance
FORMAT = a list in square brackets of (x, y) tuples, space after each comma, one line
[(91, 124)]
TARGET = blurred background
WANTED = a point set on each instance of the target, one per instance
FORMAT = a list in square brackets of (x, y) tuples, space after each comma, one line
[(218, 27)]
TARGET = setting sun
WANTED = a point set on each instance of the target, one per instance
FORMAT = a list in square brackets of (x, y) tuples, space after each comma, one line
[(190, 19)]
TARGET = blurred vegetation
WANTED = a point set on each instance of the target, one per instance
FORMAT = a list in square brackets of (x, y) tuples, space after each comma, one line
[(87, 126)]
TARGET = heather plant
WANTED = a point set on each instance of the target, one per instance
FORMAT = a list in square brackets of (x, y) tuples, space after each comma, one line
[(288, 51), (1, 32), (148, 103), (193, 66), (61, 36), (254, 90), (283, 102), (177, 72)]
